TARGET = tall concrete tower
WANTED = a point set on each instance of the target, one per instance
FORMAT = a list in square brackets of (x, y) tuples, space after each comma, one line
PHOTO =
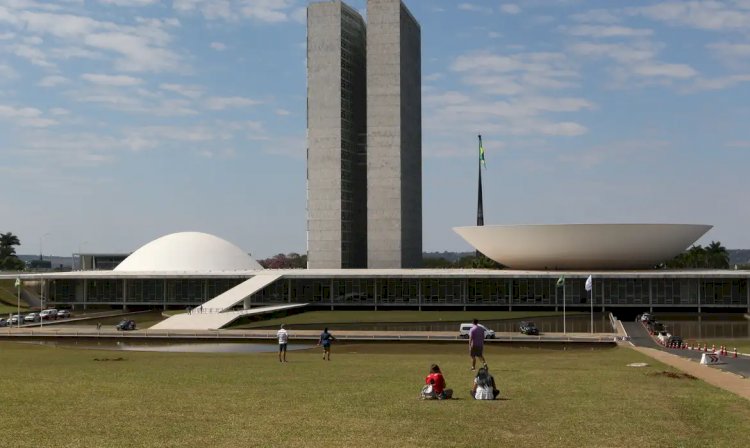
[(336, 133), (394, 136)]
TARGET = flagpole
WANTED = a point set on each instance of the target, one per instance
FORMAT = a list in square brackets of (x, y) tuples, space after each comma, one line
[(591, 299), (18, 302), (564, 328)]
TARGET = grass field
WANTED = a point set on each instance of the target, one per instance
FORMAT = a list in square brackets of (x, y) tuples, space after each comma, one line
[(365, 397), (334, 317)]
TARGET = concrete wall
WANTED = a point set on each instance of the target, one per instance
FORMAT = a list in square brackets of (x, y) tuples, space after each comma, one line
[(335, 121), (394, 196)]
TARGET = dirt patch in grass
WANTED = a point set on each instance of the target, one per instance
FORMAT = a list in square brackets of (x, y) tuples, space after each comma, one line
[(675, 375)]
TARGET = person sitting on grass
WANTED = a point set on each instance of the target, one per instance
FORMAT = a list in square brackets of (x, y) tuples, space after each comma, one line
[(437, 381), (484, 385)]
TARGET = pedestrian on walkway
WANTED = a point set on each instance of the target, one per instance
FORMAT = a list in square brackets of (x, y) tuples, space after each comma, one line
[(325, 340), (283, 338), (98, 326), (476, 344)]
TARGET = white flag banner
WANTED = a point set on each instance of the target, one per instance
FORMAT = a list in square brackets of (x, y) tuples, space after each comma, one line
[(589, 283), (18, 282)]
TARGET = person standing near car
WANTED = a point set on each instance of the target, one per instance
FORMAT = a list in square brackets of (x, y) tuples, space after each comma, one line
[(476, 344), (283, 338)]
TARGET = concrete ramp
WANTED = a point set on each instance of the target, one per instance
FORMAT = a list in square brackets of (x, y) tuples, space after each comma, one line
[(238, 294), (215, 321), (216, 313)]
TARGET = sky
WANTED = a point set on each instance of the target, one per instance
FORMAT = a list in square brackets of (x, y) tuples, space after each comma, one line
[(125, 120)]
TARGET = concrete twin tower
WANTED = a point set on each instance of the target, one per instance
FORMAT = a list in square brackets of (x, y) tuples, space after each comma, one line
[(364, 136)]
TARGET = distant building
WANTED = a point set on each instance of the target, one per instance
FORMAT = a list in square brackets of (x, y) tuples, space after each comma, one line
[(394, 136), (336, 160), (364, 160), (98, 262)]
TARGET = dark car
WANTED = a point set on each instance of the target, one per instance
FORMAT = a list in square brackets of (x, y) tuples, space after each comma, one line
[(675, 341), (654, 327), (125, 325), (4, 323), (529, 328), (63, 314)]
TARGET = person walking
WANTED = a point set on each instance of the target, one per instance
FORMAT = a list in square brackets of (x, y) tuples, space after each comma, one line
[(476, 344), (283, 338), (325, 340)]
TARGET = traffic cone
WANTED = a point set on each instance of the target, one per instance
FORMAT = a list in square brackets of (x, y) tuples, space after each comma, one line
[(735, 353)]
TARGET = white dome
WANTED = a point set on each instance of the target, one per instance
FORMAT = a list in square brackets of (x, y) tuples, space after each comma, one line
[(188, 252)]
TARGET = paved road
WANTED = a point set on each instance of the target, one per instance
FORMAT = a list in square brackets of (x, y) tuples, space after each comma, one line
[(640, 338)]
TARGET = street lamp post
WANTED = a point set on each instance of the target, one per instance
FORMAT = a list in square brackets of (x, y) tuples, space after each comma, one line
[(41, 238), (80, 258)]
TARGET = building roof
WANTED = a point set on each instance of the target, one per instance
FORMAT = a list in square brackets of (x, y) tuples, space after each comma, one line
[(188, 252)]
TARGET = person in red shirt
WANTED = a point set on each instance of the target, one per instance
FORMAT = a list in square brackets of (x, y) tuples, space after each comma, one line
[(436, 379)]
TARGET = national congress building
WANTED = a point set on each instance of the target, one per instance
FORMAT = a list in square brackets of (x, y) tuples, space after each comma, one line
[(364, 157)]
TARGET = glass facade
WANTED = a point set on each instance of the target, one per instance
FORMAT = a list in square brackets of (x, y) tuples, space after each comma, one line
[(415, 291)]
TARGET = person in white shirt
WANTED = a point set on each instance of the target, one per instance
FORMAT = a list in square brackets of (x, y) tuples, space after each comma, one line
[(283, 338), (484, 386)]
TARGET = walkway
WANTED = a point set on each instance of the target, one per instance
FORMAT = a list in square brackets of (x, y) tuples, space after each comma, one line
[(213, 321), (731, 376)]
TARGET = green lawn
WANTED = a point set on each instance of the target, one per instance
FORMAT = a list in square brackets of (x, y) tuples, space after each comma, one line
[(365, 397), (335, 317)]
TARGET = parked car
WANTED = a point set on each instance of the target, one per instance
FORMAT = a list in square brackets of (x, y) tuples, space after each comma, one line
[(663, 337), (4, 323), (48, 314), (655, 327), (32, 317), (646, 317), (125, 325), (675, 340), (16, 318), (463, 331), (529, 328), (61, 314)]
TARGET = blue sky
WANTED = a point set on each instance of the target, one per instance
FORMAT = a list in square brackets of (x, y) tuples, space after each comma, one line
[(124, 120)]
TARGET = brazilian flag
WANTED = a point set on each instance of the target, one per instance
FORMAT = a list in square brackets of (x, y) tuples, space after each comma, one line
[(481, 153)]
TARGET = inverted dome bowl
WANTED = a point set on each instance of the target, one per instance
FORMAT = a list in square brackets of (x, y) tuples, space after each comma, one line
[(582, 246)]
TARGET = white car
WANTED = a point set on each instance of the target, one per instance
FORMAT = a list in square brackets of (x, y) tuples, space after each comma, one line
[(14, 319), (48, 314), (463, 331), (31, 317), (63, 313), (664, 337)]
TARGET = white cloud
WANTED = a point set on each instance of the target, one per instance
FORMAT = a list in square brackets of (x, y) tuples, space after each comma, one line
[(52, 81), (141, 46), (474, 8), (269, 11), (703, 14), (59, 111), (604, 31), (131, 3), (111, 80), (596, 16), (221, 103), (634, 60), (7, 72), (510, 8), (282, 112), (743, 144), (25, 116), (190, 91), (719, 83), (218, 46)]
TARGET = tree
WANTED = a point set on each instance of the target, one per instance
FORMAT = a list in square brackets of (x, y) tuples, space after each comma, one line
[(8, 259), (717, 255), (281, 261), (713, 256)]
